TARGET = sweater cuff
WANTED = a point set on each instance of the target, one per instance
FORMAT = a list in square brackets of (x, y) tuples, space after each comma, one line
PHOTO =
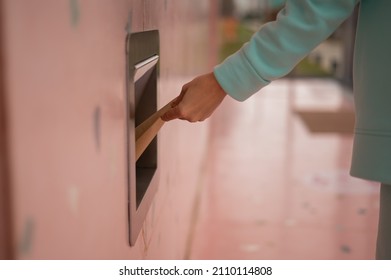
[(238, 78)]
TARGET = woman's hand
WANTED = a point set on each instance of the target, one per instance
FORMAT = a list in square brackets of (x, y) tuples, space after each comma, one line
[(197, 100)]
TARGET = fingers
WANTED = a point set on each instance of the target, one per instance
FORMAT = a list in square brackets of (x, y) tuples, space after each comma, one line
[(172, 114), (180, 97), (177, 101), (175, 112), (197, 100), (178, 113)]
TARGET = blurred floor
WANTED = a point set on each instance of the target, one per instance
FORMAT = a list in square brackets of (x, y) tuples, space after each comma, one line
[(277, 189)]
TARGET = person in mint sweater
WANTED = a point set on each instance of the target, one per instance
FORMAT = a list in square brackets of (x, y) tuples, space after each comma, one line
[(278, 46)]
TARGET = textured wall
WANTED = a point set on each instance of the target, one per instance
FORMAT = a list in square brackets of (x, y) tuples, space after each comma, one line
[(65, 93)]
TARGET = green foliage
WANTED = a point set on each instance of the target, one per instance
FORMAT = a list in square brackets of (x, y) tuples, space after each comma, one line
[(229, 47), (310, 69)]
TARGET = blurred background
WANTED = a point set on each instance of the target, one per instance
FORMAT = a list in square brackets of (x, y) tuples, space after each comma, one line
[(267, 178)]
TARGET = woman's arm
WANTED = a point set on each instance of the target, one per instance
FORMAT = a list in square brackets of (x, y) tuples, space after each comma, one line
[(278, 46), (271, 53)]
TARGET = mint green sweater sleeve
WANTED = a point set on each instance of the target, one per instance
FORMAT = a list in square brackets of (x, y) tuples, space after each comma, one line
[(278, 46)]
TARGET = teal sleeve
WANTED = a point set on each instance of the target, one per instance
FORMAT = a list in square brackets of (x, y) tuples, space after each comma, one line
[(278, 46)]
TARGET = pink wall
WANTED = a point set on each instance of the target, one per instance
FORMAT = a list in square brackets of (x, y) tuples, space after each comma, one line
[(65, 94)]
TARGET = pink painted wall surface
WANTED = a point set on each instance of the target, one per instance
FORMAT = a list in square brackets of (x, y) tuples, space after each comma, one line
[(65, 92)]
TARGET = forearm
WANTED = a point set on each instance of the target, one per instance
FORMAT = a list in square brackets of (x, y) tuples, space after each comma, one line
[(278, 46)]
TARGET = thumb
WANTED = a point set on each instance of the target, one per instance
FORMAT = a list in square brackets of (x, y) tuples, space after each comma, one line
[(173, 113)]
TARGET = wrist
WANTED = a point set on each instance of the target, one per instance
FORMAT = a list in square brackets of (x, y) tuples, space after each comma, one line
[(218, 88)]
